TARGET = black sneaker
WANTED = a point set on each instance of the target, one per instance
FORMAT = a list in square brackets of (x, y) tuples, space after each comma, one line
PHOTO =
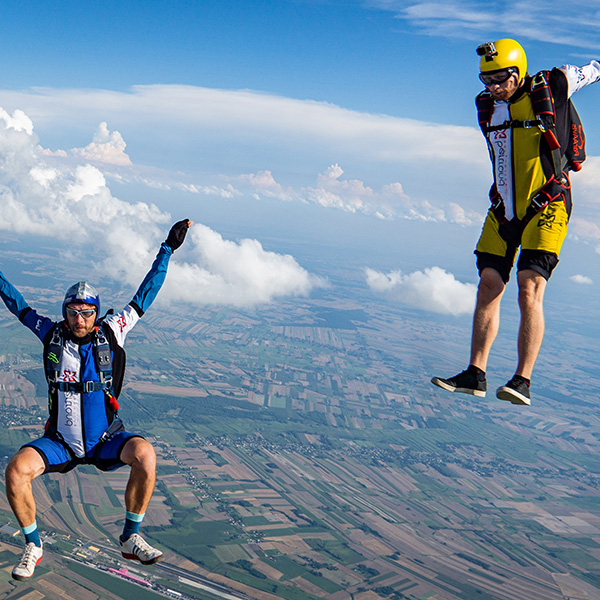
[(466, 382), (515, 391)]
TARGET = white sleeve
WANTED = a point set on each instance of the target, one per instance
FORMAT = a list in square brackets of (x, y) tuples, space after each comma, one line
[(578, 77), (122, 323)]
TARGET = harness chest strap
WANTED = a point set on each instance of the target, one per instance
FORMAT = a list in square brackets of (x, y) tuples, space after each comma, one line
[(79, 387), (542, 104), (102, 358), (514, 124), (104, 368)]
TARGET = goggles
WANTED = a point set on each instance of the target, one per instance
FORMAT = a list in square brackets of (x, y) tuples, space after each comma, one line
[(86, 313), (496, 77)]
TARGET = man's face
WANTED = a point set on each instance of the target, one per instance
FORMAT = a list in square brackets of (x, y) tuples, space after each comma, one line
[(504, 90), (80, 323)]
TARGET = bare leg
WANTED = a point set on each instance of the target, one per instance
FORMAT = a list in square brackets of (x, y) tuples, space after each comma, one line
[(139, 455), (486, 319), (531, 330), (22, 469)]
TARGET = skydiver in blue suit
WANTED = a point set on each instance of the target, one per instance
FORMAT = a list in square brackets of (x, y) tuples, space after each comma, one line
[(84, 362)]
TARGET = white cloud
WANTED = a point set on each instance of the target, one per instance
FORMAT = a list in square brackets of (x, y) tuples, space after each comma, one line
[(278, 144), (75, 205), (354, 196), (18, 121), (238, 274), (263, 184), (266, 119), (520, 19), (586, 183), (582, 279), (433, 290), (106, 147)]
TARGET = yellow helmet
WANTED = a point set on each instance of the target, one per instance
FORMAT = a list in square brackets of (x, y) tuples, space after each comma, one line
[(502, 54)]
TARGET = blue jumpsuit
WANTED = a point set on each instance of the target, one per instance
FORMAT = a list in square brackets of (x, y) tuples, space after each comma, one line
[(78, 420)]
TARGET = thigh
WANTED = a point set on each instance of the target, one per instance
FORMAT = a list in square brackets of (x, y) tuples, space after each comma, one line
[(109, 456), (539, 261), (56, 457), (493, 251), (546, 232), (490, 240)]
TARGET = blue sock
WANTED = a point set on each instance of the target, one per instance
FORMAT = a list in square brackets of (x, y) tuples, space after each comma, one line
[(132, 525), (31, 534)]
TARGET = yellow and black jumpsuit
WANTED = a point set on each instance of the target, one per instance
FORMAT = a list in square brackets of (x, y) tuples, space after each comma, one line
[(522, 164)]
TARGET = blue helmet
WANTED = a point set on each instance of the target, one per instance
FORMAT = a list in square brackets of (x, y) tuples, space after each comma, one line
[(82, 291)]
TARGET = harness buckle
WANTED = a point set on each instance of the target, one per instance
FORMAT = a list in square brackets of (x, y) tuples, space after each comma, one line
[(89, 386), (539, 201), (496, 202)]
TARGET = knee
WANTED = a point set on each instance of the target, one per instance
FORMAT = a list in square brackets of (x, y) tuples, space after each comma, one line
[(140, 455), (529, 299), (491, 285), (531, 291), (22, 467)]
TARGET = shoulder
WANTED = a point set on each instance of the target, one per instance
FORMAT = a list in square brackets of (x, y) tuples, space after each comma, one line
[(121, 323), (559, 83), (38, 324), (549, 86)]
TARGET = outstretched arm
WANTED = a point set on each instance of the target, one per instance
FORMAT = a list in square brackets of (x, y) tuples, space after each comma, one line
[(155, 278), (12, 297), (16, 304), (579, 77)]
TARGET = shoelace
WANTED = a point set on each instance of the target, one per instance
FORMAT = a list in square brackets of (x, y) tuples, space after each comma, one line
[(141, 545), (27, 556)]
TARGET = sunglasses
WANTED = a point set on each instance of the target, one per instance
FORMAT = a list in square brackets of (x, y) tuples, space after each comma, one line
[(86, 313), (497, 77)]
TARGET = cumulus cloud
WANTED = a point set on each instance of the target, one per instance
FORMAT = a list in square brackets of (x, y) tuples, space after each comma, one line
[(238, 274), (581, 279), (186, 136), (107, 147), (17, 121), (263, 184), (433, 290), (333, 191), (76, 205)]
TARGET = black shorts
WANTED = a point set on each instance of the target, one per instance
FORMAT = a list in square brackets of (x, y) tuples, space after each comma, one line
[(537, 260)]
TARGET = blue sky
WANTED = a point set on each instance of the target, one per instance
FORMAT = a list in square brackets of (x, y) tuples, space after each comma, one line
[(347, 124)]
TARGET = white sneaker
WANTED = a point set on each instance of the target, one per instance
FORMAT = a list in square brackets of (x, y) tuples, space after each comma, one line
[(32, 555), (137, 548)]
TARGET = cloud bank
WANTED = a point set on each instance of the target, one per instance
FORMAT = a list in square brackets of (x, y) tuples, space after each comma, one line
[(75, 205), (333, 191), (266, 119), (433, 290), (237, 133), (245, 131)]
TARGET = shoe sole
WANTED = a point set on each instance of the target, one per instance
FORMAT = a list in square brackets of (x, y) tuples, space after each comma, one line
[(450, 388), (144, 562), (510, 395), (26, 577)]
